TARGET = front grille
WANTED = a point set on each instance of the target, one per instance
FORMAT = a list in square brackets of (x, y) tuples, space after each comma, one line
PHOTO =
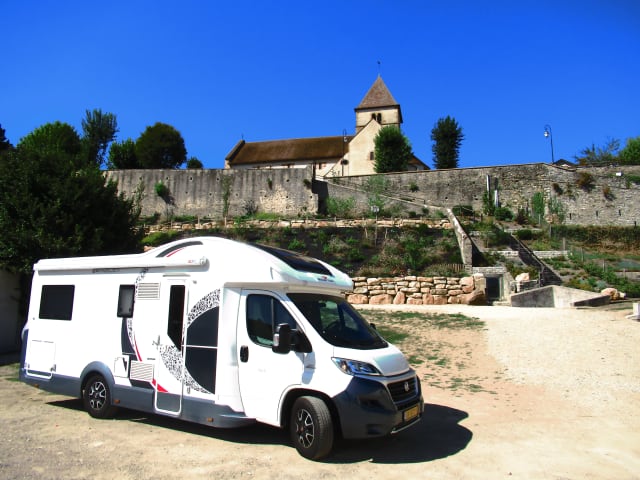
[(403, 390)]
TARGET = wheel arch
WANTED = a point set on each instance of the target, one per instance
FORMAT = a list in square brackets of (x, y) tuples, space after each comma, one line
[(99, 368), (293, 395)]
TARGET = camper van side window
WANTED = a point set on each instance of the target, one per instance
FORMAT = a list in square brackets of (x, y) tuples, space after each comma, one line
[(176, 314), (56, 302), (126, 300), (263, 313)]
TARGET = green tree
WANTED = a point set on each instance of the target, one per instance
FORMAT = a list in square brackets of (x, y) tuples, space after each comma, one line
[(604, 155), (161, 146), (376, 187), (447, 137), (193, 162), (630, 154), (54, 204), (99, 130), (5, 145), (122, 155), (59, 140), (392, 150)]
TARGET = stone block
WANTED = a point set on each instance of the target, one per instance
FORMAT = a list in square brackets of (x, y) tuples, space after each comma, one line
[(399, 299), (440, 299), (358, 299), (382, 299)]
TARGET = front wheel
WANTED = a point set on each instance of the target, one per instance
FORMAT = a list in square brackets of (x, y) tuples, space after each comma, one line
[(311, 428), (97, 398)]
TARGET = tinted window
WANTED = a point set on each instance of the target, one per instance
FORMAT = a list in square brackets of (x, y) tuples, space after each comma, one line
[(176, 314), (56, 302), (125, 301), (263, 314), (336, 320), (296, 260)]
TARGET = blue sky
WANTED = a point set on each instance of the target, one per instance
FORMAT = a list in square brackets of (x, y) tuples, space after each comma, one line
[(222, 71)]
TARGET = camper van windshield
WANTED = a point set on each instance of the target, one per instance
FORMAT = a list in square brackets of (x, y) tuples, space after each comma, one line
[(337, 321)]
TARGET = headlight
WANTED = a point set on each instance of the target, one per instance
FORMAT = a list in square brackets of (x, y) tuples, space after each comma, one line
[(354, 367)]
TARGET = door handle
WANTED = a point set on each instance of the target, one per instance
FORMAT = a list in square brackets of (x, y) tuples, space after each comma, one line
[(244, 353)]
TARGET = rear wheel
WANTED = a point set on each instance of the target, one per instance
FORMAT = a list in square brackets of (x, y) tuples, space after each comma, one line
[(311, 428), (97, 398)]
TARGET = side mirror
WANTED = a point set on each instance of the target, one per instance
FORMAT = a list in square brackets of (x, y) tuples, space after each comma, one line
[(282, 339)]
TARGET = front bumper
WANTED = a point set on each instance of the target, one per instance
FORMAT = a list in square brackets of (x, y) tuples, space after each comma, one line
[(373, 408)]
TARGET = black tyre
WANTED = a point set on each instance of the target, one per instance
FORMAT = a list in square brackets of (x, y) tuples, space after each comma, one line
[(311, 428), (97, 398)]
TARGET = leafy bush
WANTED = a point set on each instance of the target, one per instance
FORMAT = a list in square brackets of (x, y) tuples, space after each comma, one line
[(524, 234), (503, 214), (585, 181), (159, 238), (162, 190), (462, 210), (557, 188), (341, 207)]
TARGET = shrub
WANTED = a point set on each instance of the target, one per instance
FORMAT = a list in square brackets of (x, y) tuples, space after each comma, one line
[(162, 190), (524, 234), (585, 181), (158, 238), (557, 188), (503, 214), (341, 207), (462, 210)]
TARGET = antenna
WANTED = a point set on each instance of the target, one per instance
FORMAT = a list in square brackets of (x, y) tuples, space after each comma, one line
[(379, 64)]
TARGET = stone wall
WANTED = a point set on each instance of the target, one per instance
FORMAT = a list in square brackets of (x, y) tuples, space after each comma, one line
[(200, 192), (413, 290), (612, 199)]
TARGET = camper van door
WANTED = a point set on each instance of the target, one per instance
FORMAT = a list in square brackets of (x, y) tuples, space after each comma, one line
[(169, 364), (264, 375)]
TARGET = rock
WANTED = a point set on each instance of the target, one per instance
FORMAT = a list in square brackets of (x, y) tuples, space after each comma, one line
[(399, 299), (440, 299), (382, 299), (613, 293), (477, 297), (357, 299)]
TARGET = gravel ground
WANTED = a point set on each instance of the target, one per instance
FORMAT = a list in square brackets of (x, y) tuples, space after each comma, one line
[(559, 398)]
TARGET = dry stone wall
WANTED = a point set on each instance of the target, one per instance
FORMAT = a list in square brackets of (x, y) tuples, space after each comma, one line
[(414, 290), (201, 192), (612, 196)]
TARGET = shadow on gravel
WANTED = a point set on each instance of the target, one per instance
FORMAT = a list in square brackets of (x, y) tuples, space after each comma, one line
[(438, 435)]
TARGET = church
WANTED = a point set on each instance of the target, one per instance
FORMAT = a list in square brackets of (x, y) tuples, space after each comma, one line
[(334, 156)]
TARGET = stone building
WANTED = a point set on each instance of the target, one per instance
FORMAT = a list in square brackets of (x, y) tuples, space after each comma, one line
[(342, 155)]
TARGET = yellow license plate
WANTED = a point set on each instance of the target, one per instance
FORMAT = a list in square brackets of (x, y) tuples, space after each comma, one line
[(411, 413)]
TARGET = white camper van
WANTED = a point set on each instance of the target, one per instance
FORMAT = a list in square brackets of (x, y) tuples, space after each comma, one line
[(221, 333)]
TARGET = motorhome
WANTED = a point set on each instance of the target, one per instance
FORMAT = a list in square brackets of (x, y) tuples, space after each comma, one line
[(218, 332)]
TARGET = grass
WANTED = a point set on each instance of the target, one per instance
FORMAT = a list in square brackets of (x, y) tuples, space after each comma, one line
[(434, 341), (11, 372)]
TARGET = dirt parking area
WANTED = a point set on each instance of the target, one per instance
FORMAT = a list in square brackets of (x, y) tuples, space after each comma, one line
[(532, 393)]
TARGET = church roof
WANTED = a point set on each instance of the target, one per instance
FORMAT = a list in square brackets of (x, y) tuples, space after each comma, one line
[(378, 96), (296, 149)]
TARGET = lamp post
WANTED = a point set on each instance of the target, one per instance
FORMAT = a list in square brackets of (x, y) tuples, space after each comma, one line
[(547, 133)]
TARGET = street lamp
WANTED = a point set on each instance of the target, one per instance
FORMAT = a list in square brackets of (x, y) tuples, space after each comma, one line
[(547, 133)]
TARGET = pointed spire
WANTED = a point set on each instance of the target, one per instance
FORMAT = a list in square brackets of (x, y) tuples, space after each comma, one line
[(378, 96)]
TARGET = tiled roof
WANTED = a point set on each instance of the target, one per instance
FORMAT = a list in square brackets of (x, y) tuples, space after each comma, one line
[(297, 149), (377, 96)]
